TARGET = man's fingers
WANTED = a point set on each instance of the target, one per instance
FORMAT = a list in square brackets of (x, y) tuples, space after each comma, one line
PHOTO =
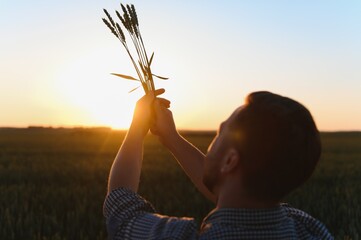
[(163, 102), (159, 91), (151, 95), (161, 106)]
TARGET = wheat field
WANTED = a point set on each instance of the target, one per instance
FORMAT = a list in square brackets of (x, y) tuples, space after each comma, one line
[(53, 182)]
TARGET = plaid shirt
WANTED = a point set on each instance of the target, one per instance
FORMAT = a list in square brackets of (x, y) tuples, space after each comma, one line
[(129, 216)]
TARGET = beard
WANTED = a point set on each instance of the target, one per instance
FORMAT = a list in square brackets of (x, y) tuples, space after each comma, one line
[(211, 178)]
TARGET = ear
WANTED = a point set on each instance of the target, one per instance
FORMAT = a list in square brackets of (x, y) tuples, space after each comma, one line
[(231, 161)]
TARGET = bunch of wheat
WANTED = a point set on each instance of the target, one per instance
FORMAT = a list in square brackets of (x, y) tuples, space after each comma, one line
[(131, 24)]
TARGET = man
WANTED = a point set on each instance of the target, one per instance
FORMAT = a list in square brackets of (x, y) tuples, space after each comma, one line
[(264, 150)]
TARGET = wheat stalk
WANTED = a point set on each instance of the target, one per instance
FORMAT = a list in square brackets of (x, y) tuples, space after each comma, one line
[(130, 22)]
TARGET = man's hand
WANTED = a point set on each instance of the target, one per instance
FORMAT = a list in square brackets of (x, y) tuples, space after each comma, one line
[(163, 125), (144, 113)]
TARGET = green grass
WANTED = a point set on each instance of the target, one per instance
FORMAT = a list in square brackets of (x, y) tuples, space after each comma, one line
[(53, 183)]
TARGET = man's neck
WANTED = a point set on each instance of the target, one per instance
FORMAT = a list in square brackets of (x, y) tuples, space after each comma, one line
[(230, 198)]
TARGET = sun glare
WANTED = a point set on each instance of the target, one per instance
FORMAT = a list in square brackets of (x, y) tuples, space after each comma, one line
[(88, 87)]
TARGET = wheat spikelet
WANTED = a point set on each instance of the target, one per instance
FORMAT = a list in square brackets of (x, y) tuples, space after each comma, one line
[(133, 21), (124, 9), (120, 16), (109, 17), (110, 27), (122, 36), (127, 19), (135, 15), (121, 19), (129, 10)]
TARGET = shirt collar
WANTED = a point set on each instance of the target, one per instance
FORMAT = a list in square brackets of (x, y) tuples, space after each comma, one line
[(247, 217)]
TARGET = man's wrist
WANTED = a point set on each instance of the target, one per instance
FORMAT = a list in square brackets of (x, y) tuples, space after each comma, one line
[(136, 132), (172, 141)]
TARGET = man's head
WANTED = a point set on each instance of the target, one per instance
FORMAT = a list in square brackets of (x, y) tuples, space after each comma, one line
[(271, 144)]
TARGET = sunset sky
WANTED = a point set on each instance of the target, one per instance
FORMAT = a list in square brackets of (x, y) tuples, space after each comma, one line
[(56, 58)]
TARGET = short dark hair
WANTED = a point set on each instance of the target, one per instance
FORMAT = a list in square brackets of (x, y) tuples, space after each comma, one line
[(279, 144)]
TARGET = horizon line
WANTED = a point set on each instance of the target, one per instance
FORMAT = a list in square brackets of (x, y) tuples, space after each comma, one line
[(126, 129), (89, 127)]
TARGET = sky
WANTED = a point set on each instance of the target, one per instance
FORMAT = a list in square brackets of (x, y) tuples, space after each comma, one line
[(56, 58)]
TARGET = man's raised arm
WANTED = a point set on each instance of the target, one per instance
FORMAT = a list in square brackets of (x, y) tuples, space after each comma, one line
[(126, 168), (188, 156)]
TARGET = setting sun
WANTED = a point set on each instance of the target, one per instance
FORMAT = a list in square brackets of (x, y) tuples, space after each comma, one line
[(103, 99)]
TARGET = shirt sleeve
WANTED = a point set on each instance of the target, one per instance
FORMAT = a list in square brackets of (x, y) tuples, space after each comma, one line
[(129, 216)]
